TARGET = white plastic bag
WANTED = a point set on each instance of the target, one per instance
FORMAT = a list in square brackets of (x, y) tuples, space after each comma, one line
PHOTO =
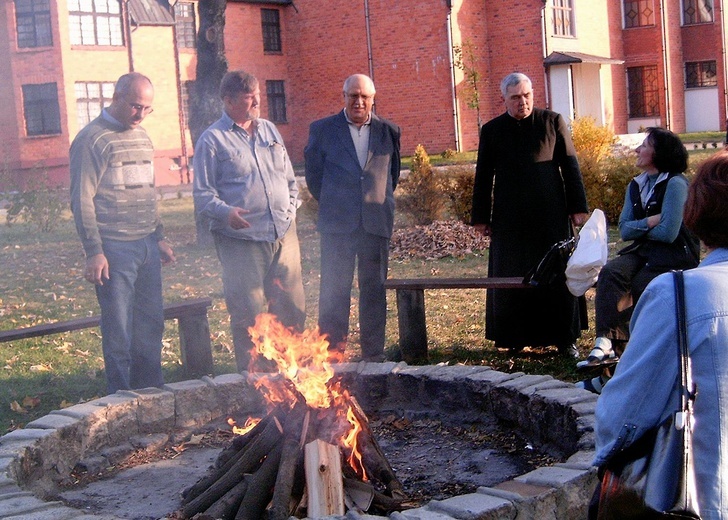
[(589, 256)]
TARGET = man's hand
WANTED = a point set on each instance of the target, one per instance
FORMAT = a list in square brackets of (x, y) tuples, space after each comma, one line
[(97, 269), (579, 219), (165, 252), (236, 220), (483, 229)]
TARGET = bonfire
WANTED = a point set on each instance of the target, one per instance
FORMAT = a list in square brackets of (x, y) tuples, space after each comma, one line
[(312, 455)]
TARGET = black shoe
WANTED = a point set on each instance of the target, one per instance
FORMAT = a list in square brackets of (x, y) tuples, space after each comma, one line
[(569, 350)]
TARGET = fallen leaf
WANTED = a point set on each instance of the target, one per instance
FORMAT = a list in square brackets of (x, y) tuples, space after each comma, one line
[(195, 439), (30, 402), (14, 406), (41, 368), (65, 404)]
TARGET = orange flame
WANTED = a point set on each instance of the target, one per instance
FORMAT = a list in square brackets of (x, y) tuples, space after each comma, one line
[(304, 372), (250, 423)]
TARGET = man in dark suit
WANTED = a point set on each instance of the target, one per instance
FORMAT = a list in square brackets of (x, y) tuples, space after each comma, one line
[(352, 169)]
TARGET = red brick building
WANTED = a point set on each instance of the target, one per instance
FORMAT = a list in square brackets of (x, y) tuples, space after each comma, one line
[(627, 63)]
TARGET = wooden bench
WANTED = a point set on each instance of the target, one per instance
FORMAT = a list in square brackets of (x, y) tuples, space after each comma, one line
[(411, 306), (194, 332)]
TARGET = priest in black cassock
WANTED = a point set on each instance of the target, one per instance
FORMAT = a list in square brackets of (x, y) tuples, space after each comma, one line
[(527, 187)]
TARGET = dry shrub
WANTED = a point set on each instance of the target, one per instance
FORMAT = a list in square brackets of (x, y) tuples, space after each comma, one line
[(605, 174), (421, 194), (458, 188)]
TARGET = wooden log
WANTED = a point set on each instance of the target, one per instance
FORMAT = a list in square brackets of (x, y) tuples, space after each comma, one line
[(375, 462), (324, 480), (204, 483), (294, 436), (241, 441), (248, 463), (260, 487), (227, 506)]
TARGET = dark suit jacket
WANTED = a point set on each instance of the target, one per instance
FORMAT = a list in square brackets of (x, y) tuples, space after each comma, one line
[(348, 195)]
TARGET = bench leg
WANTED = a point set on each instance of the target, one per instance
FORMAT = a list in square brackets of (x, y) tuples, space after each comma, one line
[(195, 346), (412, 328)]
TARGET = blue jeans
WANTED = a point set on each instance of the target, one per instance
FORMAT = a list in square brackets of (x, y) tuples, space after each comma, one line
[(260, 277), (132, 314)]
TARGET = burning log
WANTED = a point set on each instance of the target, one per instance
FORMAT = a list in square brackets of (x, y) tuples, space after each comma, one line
[(266, 472), (248, 462)]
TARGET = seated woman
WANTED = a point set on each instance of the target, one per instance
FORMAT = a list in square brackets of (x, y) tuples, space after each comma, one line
[(643, 391), (652, 218)]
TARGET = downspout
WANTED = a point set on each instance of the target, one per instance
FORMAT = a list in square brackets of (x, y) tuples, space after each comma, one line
[(455, 115), (545, 46), (369, 39), (668, 118), (126, 16), (185, 166)]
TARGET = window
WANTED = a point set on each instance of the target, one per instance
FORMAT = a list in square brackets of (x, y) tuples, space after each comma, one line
[(91, 97), (33, 22), (40, 106), (564, 18), (643, 91), (697, 11), (700, 74), (186, 90), (184, 19), (271, 23), (95, 22), (638, 13), (276, 101)]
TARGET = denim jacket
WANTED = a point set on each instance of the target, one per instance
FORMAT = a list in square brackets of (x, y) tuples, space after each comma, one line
[(233, 169), (643, 391)]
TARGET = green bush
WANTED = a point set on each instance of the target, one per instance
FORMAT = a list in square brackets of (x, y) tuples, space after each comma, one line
[(421, 192)]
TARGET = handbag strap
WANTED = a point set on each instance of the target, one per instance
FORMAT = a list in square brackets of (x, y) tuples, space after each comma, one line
[(686, 391)]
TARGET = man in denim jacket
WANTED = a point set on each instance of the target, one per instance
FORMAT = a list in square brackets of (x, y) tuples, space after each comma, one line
[(245, 186)]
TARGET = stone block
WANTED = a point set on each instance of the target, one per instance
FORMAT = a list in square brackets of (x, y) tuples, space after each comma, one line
[(421, 513), (576, 488), (475, 505), (194, 403), (94, 426), (531, 501), (55, 511), (154, 409), (22, 505), (121, 416), (455, 372), (235, 394)]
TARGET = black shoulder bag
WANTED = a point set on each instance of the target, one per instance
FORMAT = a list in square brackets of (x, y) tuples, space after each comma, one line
[(654, 477)]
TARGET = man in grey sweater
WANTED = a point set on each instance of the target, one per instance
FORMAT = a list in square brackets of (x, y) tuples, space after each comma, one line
[(115, 210)]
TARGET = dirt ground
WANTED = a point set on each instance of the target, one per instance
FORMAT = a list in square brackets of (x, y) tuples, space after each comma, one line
[(432, 461)]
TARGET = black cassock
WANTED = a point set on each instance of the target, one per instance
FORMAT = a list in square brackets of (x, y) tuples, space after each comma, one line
[(530, 168)]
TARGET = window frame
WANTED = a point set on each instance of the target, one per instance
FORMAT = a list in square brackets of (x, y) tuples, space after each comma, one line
[(38, 19), (649, 19), (702, 74), (90, 106), (185, 25), (647, 97), (271, 30), (275, 92), (41, 111), (97, 27), (564, 25), (695, 19)]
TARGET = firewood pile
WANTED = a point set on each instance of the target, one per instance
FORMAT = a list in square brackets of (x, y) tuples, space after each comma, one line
[(313, 455), (440, 239)]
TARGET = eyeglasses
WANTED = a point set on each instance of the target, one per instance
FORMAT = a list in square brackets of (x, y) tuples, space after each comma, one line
[(141, 108), (356, 97)]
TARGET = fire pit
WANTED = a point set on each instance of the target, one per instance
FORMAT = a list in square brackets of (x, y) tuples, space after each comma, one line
[(552, 415)]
